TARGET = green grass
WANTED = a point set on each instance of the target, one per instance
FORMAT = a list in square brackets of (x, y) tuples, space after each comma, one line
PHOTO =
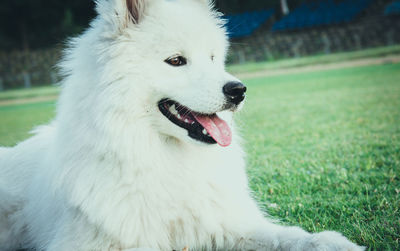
[(29, 93), (16, 121), (312, 60), (323, 149)]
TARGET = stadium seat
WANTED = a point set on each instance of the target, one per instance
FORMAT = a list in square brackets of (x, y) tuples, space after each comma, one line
[(393, 8), (321, 12), (244, 24)]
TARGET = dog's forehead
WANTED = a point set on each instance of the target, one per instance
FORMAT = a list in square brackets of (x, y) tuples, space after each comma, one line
[(186, 24)]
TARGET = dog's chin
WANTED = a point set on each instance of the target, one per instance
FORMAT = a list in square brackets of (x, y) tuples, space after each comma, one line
[(204, 128)]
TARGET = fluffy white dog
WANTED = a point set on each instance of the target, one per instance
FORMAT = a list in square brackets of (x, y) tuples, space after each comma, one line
[(143, 151)]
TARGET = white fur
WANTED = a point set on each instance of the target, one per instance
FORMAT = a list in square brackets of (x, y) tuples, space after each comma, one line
[(112, 173)]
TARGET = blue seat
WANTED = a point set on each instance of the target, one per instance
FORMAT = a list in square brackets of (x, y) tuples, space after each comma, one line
[(244, 24), (393, 8), (321, 12)]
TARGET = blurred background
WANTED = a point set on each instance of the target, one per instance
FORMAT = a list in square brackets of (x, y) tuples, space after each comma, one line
[(33, 32)]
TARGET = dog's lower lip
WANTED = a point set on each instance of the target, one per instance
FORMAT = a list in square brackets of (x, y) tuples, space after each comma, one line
[(184, 118), (184, 114)]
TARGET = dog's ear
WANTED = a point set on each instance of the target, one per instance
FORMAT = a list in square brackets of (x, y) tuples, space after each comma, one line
[(121, 13), (135, 9)]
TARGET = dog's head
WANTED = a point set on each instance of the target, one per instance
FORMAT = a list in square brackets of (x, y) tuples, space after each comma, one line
[(168, 57)]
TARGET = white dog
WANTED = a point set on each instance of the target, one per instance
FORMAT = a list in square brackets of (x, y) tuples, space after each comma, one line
[(143, 151)]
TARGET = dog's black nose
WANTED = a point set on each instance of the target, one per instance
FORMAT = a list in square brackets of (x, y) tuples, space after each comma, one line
[(234, 92)]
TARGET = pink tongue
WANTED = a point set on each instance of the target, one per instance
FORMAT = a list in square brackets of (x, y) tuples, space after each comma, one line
[(217, 128)]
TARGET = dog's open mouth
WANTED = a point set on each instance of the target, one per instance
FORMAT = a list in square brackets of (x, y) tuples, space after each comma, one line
[(207, 128)]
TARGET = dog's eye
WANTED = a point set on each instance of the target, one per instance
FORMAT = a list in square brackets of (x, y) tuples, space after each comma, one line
[(212, 58), (176, 61)]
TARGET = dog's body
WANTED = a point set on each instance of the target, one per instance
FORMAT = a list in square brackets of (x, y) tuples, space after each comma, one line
[(115, 171)]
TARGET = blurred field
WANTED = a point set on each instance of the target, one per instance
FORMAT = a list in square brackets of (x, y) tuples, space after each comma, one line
[(313, 60), (29, 93), (323, 148), (16, 121)]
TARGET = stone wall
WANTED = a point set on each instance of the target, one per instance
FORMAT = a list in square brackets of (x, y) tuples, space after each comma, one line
[(28, 68), (365, 33)]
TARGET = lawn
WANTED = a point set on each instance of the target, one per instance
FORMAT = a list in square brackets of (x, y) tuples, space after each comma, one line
[(323, 149), (316, 59), (16, 121), (29, 93)]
